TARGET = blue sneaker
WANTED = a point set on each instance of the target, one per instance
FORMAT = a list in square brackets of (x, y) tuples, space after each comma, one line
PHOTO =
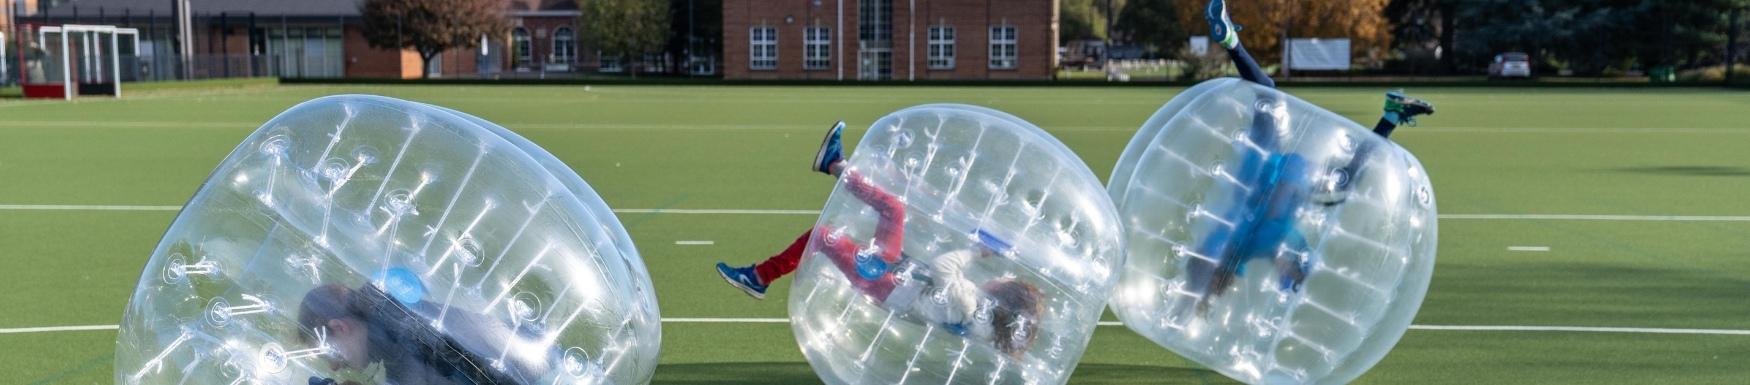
[(743, 278), (831, 151), (1221, 28)]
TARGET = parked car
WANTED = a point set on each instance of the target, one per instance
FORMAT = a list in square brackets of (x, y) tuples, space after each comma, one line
[(1510, 65)]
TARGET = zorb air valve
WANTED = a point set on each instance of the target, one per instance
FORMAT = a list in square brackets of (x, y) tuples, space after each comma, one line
[(961, 246), (375, 240), (1270, 240)]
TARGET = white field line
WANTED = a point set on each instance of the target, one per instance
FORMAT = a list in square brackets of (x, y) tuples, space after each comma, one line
[(1528, 248), (1593, 217), (1546, 217), (793, 126), (1479, 328), (90, 207), (49, 329), (695, 243)]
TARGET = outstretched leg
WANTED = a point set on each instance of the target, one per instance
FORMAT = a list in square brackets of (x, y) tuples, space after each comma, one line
[(1399, 110), (754, 279), (1223, 31), (867, 271), (870, 271)]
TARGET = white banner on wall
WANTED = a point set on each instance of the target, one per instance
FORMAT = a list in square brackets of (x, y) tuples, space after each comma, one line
[(1319, 54)]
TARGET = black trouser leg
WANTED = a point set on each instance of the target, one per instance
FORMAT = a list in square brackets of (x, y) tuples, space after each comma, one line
[(1249, 68), (1385, 127)]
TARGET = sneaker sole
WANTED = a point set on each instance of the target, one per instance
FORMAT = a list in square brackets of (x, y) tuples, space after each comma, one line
[(836, 128), (744, 289)]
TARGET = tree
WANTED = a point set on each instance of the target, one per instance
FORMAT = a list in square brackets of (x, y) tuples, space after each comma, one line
[(431, 27), (1363, 22), (1421, 33), (1082, 19), (1594, 36), (627, 27), (1148, 22)]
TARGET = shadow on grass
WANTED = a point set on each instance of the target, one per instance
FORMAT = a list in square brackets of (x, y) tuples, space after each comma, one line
[(750, 373), (1687, 170)]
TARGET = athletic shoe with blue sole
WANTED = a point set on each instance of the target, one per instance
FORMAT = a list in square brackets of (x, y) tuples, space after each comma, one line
[(831, 150), (742, 278), (1221, 27)]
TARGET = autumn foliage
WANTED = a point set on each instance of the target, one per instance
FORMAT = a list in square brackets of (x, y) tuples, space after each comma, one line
[(1361, 21)]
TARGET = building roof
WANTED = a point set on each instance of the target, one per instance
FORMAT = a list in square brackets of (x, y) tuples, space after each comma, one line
[(202, 8)]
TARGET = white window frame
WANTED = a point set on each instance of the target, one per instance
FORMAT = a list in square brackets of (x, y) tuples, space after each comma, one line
[(816, 48), (762, 48), (564, 45), (1004, 47), (941, 47)]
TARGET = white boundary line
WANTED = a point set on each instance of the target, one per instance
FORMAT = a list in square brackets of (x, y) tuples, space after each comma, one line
[(50, 329), (1482, 328), (90, 207), (1589, 217), (1528, 248), (797, 126), (1546, 217)]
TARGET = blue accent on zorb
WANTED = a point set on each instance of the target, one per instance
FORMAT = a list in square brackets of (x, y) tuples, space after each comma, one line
[(993, 243), (870, 267), (401, 284)]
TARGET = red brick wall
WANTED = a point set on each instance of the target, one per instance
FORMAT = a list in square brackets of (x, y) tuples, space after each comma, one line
[(1035, 22), (1036, 41), (791, 18), (363, 61)]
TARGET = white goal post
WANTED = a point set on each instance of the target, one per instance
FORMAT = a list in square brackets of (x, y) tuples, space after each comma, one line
[(91, 55)]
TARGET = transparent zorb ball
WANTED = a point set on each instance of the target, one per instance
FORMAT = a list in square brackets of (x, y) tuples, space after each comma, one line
[(1269, 239), (1037, 240), (425, 244)]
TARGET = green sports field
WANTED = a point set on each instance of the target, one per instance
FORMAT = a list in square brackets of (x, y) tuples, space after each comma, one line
[(1637, 194)]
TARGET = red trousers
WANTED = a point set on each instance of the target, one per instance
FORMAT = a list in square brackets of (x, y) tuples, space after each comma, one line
[(889, 238)]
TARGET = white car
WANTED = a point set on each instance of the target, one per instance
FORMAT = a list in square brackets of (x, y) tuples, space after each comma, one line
[(1510, 65)]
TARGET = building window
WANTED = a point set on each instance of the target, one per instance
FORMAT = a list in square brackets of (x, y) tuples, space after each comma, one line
[(941, 47), (519, 45), (564, 46), (613, 63), (764, 42), (1002, 47), (816, 48), (655, 63)]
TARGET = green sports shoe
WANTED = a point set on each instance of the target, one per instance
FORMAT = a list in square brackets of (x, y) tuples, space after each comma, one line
[(1403, 109)]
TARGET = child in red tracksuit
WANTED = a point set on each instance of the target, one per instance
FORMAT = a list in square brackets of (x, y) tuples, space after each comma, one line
[(1004, 311)]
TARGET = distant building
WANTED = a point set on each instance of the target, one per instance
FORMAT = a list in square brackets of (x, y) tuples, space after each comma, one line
[(889, 40), (324, 39)]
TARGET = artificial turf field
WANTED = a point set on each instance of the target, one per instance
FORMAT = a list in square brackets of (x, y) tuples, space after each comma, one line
[(1639, 195)]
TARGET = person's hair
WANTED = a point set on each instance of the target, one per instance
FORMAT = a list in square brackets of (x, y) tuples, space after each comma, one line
[(325, 303), (1015, 319)]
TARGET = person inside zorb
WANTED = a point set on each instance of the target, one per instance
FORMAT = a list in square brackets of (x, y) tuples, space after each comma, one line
[(388, 322), (1262, 222), (1003, 311)]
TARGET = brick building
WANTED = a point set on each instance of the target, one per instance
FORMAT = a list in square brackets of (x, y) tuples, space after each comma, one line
[(890, 40)]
